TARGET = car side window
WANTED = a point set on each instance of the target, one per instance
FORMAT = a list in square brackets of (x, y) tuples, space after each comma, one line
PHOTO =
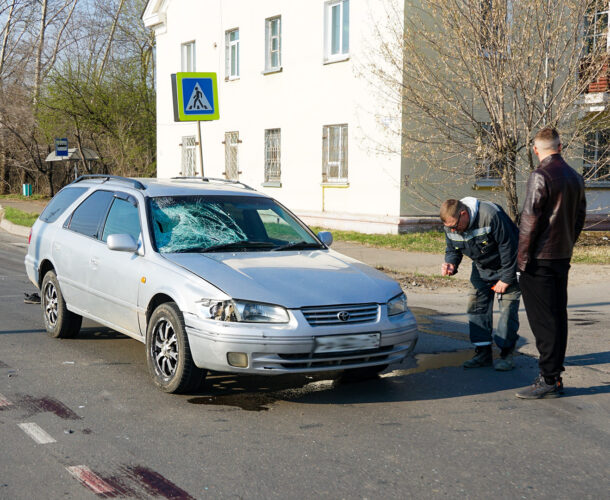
[(123, 218), (60, 202), (87, 218)]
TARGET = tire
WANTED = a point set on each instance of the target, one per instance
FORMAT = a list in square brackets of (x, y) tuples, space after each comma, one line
[(58, 321), (361, 374), (168, 354)]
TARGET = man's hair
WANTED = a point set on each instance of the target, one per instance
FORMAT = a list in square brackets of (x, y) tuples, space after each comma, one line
[(547, 139), (450, 209)]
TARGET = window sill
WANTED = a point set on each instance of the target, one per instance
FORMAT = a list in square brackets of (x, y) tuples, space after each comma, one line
[(231, 78), (335, 184), (487, 184), (597, 184), (272, 184), (272, 70), (336, 59)]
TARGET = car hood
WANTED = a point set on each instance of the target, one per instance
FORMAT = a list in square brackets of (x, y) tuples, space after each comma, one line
[(292, 279)]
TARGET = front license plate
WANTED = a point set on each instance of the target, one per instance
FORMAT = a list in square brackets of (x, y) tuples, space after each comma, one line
[(342, 343)]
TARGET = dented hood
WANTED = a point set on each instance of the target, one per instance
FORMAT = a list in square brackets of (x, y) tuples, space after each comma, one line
[(292, 279)]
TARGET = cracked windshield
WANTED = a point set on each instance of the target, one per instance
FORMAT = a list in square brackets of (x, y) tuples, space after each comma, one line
[(184, 224)]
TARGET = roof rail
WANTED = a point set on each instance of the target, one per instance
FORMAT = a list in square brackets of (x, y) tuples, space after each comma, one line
[(136, 184), (213, 179)]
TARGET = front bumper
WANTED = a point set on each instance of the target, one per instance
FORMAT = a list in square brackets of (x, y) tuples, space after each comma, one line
[(289, 349)]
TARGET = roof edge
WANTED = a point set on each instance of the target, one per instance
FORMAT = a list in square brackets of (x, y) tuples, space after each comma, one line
[(154, 15)]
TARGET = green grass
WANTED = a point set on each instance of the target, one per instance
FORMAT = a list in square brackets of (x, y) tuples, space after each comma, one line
[(22, 198), (426, 242), (19, 217)]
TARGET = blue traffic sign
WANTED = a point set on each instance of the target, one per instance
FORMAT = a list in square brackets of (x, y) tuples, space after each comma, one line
[(195, 96), (61, 147)]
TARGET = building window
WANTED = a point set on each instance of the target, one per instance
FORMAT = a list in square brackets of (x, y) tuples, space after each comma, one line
[(334, 153), (336, 32), (596, 28), (188, 57), (231, 143), (597, 157), (488, 168), (273, 41), (188, 156), (272, 155), (232, 54)]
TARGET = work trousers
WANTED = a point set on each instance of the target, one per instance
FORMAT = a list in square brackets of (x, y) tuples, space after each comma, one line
[(480, 313), (544, 284)]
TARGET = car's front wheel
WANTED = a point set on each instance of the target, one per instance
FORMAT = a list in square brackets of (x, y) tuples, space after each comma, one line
[(168, 353), (59, 322)]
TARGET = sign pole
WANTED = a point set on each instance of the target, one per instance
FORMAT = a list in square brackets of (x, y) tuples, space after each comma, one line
[(200, 146)]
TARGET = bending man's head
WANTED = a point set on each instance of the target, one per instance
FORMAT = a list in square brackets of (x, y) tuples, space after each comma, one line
[(455, 215)]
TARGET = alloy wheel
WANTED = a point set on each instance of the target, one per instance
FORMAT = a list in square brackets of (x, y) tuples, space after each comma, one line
[(165, 348), (50, 304)]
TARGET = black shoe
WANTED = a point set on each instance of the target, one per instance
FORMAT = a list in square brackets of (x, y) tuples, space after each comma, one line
[(482, 357), (540, 389), (32, 298)]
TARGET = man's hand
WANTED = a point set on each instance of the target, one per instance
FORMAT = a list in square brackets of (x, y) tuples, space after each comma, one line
[(500, 287), (447, 269)]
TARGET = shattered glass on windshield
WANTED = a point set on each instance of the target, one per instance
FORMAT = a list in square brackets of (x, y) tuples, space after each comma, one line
[(225, 223), (183, 223)]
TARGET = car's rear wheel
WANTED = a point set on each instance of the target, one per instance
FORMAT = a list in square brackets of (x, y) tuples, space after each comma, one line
[(168, 353), (361, 374), (58, 321)]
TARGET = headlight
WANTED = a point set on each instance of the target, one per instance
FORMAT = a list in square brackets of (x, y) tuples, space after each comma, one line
[(242, 311), (397, 305)]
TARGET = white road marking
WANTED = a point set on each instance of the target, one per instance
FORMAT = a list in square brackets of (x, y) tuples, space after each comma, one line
[(91, 480), (36, 433), (4, 401)]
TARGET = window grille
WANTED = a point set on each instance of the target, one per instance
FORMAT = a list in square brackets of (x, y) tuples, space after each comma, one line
[(232, 54), (334, 153), (597, 156), (273, 39), (488, 166), (231, 155), (272, 155), (189, 156)]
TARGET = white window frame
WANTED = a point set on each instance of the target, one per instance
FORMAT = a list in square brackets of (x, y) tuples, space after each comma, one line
[(232, 55), (188, 57), (593, 19), (273, 156), (340, 162), (340, 52), (269, 38), (189, 156), (231, 143)]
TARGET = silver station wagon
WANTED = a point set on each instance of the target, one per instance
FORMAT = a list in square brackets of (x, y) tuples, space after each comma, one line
[(211, 275)]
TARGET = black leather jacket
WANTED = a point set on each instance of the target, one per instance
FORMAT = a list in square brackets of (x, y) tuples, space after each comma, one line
[(553, 213)]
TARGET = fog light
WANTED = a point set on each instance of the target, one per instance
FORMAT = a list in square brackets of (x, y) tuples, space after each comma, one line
[(238, 359)]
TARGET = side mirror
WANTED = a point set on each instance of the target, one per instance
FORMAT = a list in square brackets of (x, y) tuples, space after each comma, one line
[(326, 237), (122, 243)]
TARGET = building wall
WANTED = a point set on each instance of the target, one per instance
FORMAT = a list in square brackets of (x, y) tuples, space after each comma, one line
[(306, 95)]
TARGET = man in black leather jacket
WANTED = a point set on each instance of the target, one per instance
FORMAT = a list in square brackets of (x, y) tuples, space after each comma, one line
[(553, 216)]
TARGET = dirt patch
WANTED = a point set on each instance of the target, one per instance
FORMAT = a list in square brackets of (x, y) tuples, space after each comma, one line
[(425, 282), (594, 239)]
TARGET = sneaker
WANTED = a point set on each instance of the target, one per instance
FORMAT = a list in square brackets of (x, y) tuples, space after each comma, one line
[(482, 357), (540, 389)]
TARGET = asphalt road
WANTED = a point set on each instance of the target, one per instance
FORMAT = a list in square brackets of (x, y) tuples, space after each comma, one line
[(80, 419)]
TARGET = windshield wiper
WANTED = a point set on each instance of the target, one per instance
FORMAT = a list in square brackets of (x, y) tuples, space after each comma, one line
[(297, 245), (235, 245), (239, 245)]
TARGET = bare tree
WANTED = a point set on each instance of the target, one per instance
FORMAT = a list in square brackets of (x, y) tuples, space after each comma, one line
[(473, 80)]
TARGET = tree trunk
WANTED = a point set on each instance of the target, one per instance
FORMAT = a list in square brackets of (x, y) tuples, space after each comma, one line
[(509, 181)]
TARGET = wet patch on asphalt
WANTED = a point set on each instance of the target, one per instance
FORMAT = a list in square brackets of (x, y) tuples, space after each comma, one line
[(33, 406)]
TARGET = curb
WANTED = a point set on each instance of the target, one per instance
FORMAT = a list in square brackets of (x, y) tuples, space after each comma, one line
[(15, 229)]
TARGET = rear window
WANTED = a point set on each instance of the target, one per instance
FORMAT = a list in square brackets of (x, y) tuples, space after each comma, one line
[(88, 216), (60, 203)]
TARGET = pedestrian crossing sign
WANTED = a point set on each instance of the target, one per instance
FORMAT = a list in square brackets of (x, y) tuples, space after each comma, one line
[(195, 96)]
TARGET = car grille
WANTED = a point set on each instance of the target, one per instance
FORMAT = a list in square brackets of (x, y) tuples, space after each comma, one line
[(335, 360), (340, 315)]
